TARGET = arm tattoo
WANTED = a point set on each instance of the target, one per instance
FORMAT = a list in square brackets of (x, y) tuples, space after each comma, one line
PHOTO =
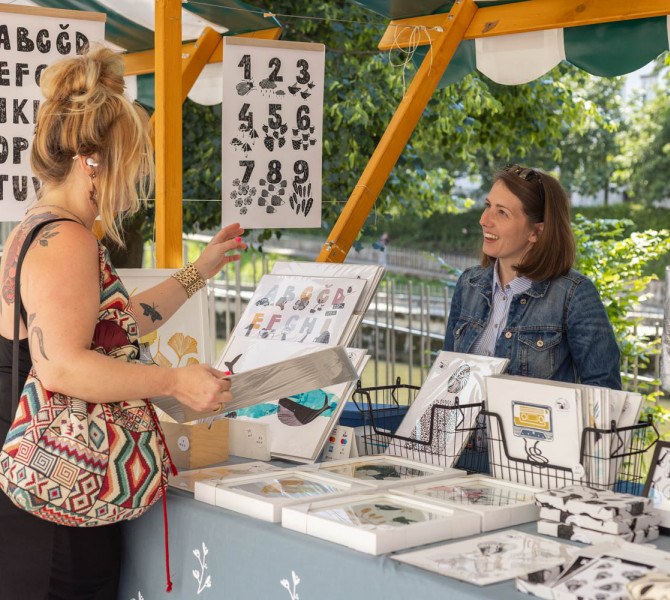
[(150, 311), (11, 258), (45, 234), (37, 332)]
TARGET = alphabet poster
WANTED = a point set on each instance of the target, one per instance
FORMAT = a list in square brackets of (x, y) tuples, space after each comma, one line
[(30, 40), (272, 133), (300, 309)]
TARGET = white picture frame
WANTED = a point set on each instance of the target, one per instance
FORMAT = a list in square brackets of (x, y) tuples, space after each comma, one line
[(497, 503), (263, 496), (491, 558), (172, 344), (188, 480), (386, 471), (379, 522)]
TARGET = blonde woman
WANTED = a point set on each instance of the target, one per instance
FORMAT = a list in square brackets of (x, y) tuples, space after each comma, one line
[(91, 149)]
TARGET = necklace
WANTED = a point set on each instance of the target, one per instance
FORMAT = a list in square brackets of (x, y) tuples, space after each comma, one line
[(60, 208)]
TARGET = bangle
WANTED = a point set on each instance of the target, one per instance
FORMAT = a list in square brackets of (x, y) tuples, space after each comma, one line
[(190, 278)]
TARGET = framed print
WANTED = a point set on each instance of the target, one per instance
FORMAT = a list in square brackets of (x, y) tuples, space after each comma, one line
[(589, 536), (491, 558), (498, 503), (264, 495), (657, 486), (188, 480), (386, 470), (379, 522)]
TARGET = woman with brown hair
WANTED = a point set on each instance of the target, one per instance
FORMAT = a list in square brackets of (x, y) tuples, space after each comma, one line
[(526, 302), (92, 148)]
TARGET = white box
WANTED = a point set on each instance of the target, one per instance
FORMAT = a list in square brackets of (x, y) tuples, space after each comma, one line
[(263, 495), (387, 471), (379, 522), (498, 503)]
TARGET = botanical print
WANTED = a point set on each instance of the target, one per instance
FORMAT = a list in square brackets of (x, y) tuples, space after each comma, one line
[(382, 514), (490, 559), (376, 470), (286, 487), (182, 345), (185, 480), (478, 494), (293, 592), (204, 582)]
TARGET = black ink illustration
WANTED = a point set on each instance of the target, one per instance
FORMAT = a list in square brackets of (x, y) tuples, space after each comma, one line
[(242, 195), (150, 311), (293, 414), (244, 87), (275, 137), (301, 199), (272, 193)]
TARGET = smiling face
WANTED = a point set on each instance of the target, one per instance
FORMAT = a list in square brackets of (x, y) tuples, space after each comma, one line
[(508, 233)]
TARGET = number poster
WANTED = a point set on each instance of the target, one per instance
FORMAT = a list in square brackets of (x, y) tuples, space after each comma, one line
[(272, 133), (30, 40)]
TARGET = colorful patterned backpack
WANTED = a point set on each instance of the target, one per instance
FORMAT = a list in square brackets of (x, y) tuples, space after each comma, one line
[(85, 464)]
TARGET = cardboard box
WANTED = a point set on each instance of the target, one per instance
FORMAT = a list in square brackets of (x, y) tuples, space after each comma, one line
[(196, 446)]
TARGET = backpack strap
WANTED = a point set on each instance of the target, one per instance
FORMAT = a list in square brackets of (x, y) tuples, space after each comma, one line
[(20, 311)]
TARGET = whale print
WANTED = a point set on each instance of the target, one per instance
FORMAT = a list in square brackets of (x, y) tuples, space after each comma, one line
[(294, 415)]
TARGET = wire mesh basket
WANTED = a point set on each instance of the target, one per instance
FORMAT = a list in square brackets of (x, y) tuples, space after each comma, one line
[(471, 438)]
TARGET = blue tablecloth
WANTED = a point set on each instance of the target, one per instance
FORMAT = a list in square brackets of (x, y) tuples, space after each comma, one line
[(246, 559)]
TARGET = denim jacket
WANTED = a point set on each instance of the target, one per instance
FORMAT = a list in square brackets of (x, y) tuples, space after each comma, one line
[(555, 329)]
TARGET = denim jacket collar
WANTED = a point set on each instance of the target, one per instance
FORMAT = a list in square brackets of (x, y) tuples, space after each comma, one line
[(484, 280)]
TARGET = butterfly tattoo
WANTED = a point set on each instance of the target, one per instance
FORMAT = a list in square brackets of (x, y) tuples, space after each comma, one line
[(150, 311)]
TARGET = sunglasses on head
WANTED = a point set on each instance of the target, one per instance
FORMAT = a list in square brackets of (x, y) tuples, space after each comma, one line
[(527, 174)]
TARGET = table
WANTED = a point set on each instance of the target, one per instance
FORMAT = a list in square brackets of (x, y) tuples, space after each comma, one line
[(247, 559)]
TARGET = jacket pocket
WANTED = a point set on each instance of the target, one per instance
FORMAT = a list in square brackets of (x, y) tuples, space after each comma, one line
[(539, 352)]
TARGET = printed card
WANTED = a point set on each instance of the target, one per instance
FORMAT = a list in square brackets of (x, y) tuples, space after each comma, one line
[(599, 504)]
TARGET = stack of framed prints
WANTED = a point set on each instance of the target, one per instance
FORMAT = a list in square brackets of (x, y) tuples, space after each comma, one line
[(379, 522), (263, 495), (491, 558), (386, 471), (657, 486), (437, 436), (536, 426), (588, 515), (497, 503)]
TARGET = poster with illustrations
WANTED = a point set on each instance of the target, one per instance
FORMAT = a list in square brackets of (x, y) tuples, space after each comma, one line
[(300, 309), (272, 133), (657, 486), (491, 558), (298, 425), (184, 339), (454, 380), (30, 40)]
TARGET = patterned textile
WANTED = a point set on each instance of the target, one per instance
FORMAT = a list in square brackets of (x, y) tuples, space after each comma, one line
[(83, 464)]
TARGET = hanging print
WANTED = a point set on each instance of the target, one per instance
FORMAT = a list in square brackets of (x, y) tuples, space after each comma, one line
[(272, 133)]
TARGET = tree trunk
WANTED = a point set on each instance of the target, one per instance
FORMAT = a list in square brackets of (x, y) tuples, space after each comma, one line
[(131, 255)]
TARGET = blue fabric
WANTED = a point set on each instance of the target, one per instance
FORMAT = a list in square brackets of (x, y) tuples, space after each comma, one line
[(555, 330)]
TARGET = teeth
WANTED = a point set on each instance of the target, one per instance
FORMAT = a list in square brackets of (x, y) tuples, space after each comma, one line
[(490, 236)]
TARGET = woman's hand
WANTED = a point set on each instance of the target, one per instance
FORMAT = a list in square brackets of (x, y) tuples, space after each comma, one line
[(201, 387), (215, 255)]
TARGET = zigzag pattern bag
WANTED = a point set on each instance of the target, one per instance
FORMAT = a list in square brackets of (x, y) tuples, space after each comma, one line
[(77, 463)]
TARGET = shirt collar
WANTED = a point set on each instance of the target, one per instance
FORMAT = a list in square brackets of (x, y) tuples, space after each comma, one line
[(516, 286)]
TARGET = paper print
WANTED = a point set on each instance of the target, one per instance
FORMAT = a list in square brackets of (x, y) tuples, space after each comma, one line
[(659, 488), (272, 132), (489, 559), (652, 586), (374, 515), (286, 487), (602, 578), (599, 504), (377, 470), (477, 494), (454, 380), (300, 309)]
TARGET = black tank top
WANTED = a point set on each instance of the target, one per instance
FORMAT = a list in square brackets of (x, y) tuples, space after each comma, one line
[(25, 363)]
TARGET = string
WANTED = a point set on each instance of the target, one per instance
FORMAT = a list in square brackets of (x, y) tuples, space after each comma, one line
[(268, 14), (415, 38)]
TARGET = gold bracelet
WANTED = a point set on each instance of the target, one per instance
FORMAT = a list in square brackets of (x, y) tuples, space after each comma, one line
[(190, 278)]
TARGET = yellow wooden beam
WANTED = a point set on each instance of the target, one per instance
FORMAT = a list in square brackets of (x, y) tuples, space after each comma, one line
[(141, 63), (522, 17), (397, 133), (168, 133), (192, 66)]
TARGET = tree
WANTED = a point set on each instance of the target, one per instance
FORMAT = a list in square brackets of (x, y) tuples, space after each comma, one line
[(465, 125)]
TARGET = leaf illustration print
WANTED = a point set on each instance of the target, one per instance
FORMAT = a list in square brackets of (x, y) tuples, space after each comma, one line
[(149, 338), (199, 574), (183, 345), (159, 358)]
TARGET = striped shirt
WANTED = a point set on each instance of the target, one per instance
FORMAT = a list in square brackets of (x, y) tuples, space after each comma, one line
[(501, 301)]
